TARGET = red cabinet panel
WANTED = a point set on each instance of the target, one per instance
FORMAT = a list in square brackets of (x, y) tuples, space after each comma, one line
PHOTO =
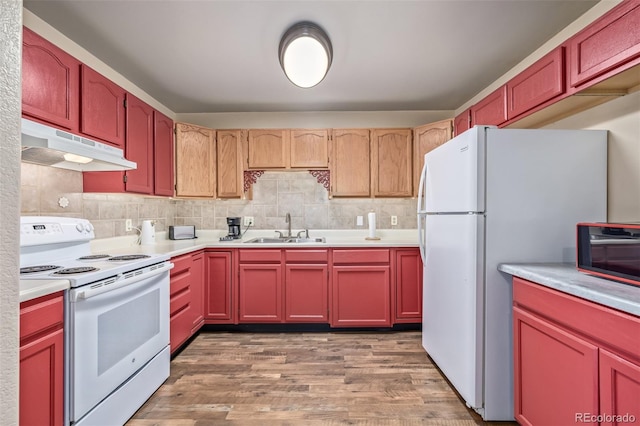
[(41, 361), (555, 373), (260, 256), (186, 308), (197, 291), (163, 154), (408, 288), (541, 82), (139, 145), (306, 293), (492, 110), (361, 296), (260, 293), (610, 44), (462, 122), (619, 389), (351, 256), (50, 82), (218, 288), (102, 112)]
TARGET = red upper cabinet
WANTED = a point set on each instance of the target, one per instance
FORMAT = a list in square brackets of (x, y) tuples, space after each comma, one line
[(50, 82), (102, 112), (139, 145), (492, 110), (462, 122), (163, 169), (541, 82), (608, 46)]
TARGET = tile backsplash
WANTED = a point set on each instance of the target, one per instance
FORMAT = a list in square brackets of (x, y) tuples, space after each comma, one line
[(47, 191)]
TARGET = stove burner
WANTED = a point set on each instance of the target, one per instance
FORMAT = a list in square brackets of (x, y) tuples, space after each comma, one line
[(129, 257), (94, 257), (77, 270), (38, 268)]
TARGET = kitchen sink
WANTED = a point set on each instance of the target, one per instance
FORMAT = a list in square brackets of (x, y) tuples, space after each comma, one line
[(286, 240)]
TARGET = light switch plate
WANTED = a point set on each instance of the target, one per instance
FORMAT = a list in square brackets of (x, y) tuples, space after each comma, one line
[(359, 221)]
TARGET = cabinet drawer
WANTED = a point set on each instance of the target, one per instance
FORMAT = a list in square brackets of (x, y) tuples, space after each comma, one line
[(179, 302), (260, 256), (606, 326), (316, 256), (179, 283), (40, 314), (180, 264), (361, 256)]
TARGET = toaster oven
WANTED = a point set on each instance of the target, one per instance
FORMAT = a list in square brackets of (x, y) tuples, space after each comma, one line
[(610, 250)]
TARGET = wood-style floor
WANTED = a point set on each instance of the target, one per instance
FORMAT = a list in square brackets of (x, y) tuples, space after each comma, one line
[(358, 378)]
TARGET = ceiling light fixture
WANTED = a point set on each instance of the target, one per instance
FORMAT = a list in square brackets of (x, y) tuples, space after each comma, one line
[(305, 54)]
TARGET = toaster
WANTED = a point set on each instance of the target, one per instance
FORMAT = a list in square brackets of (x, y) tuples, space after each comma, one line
[(183, 232)]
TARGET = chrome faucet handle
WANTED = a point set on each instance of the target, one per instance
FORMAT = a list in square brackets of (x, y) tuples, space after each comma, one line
[(306, 233), (280, 234)]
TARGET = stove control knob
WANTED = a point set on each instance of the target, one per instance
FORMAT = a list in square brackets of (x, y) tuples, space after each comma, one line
[(89, 227), (80, 227)]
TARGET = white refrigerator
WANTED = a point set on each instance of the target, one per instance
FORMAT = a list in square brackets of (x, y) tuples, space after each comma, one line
[(486, 197)]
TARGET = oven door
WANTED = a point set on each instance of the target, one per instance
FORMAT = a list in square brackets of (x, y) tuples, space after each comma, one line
[(114, 331)]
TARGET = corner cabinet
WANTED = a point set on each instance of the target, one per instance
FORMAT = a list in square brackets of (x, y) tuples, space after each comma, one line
[(41, 361), (195, 161), (350, 163), (425, 139), (50, 83), (573, 358), (391, 163)]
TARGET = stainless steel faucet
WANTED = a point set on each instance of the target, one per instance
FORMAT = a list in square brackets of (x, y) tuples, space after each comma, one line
[(288, 220)]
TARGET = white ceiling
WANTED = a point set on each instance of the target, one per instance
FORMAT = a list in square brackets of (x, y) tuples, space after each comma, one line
[(222, 55)]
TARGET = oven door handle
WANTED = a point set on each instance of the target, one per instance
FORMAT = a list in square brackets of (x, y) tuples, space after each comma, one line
[(92, 292)]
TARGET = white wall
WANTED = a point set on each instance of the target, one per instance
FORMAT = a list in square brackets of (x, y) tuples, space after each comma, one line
[(10, 100), (621, 117)]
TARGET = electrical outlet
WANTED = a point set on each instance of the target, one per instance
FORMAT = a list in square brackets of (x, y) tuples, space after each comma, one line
[(359, 221), (394, 220), (248, 221), (128, 225)]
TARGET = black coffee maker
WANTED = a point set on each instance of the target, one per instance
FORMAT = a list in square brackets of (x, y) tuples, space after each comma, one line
[(234, 227)]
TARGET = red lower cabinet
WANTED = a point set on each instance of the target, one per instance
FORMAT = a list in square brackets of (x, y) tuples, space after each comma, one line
[(186, 305), (408, 288), (260, 289), (574, 361), (41, 361), (361, 296), (218, 288), (306, 286)]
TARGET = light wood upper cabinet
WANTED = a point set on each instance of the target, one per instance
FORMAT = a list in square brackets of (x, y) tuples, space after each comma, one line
[(426, 138), (310, 148), (268, 149), (391, 163), (350, 163), (229, 170), (195, 161)]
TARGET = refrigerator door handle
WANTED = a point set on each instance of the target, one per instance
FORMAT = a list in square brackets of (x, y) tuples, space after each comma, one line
[(421, 187), (421, 212), (421, 240)]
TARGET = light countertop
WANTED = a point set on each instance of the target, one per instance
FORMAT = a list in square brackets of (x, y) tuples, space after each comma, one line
[(567, 279), (30, 289)]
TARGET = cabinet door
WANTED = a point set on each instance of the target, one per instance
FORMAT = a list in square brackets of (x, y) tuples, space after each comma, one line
[(541, 82), (268, 149), (139, 145), (306, 293), (260, 293), (361, 296), (50, 82), (102, 108), (163, 155), (426, 138), (391, 163), (197, 291), (41, 380), (350, 163), (608, 46), (462, 122), (41, 361), (408, 300), (619, 389), (229, 164), (555, 373), (492, 110), (218, 295), (195, 161), (310, 148)]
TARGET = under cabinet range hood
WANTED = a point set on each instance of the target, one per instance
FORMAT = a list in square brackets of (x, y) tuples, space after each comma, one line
[(48, 146)]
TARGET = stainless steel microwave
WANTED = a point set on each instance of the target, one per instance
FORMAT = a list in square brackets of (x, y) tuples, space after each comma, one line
[(610, 250)]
